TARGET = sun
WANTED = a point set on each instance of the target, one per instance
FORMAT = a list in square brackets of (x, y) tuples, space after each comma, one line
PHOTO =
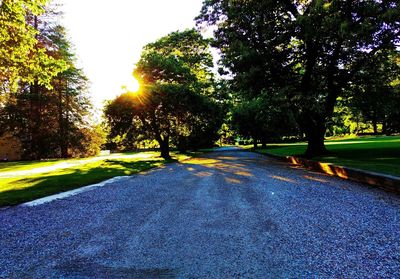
[(132, 86)]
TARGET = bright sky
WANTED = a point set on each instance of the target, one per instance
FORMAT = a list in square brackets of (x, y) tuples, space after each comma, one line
[(109, 36)]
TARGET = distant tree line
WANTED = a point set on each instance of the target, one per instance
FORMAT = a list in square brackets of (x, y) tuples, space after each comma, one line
[(288, 70), (43, 94), (301, 67)]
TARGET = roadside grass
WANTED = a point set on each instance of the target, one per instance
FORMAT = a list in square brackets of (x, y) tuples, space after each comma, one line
[(26, 187), (377, 154), (28, 165)]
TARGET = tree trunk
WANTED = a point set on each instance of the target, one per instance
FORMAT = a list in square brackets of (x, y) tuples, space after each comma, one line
[(255, 143), (164, 148), (316, 145), (263, 143), (34, 152), (314, 124), (384, 128), (61, 126), (375, 125), (66, 124)]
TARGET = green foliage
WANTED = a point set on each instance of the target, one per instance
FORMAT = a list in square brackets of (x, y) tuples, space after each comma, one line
[(50, 118), (174, 103), (264, 118), (375, 95), (89, 143), (308, 51), (22, 56)]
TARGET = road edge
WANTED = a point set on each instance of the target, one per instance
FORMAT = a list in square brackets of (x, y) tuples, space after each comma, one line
[(85, 188), (70, 193), (387, 182)]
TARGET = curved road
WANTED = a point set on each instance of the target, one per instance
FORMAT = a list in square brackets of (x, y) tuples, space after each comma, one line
[(228, 214)]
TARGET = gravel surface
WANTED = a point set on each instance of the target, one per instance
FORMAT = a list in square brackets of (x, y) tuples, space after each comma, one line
[(228, 214)]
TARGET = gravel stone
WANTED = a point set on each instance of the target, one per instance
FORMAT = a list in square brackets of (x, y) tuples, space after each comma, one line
[(232, 215)]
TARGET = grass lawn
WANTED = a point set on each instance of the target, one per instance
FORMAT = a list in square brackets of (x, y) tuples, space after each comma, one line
[(20, 182), (378, 154)]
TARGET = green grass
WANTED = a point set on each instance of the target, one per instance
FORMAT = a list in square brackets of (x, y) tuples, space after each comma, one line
[(28, 165), (27, 187), (378, 154)]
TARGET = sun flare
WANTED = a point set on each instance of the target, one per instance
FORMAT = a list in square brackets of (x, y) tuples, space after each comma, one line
[(132, 86)]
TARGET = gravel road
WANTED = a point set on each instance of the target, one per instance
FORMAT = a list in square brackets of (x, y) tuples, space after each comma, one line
[(228, 214)]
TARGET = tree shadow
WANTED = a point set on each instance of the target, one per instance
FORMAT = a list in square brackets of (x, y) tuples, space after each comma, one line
[(232, 171), (52, 183)]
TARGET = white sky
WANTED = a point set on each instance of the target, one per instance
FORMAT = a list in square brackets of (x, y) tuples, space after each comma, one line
[(109, 36)]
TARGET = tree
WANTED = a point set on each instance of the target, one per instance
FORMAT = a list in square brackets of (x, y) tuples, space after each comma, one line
[(71, 101), (89, 141), (22, 56), (309, 51), (263, 118), (375, 94), (174, 104), (51, 121), (245, 121), (203, 124)]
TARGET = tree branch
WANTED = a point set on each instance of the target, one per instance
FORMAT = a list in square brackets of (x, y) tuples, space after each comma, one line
[(291, 7)]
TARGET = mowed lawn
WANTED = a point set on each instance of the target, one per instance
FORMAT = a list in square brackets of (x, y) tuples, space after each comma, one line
[(25, 181), (377, 154)]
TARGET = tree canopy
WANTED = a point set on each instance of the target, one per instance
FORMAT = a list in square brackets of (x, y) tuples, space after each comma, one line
[(174, 103), (308, 51), (24, 56), (46, 106)]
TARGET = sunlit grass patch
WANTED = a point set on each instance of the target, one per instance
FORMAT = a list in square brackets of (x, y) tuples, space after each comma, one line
[(378, 154), (19, 189)]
